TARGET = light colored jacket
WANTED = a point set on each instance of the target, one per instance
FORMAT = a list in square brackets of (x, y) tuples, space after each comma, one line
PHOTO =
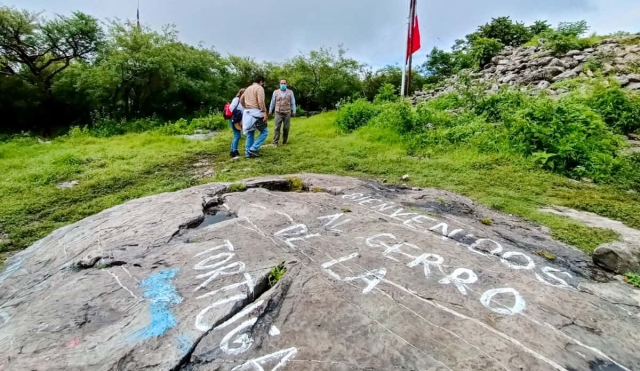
[(249, 118), (253, 97), (235, 103)]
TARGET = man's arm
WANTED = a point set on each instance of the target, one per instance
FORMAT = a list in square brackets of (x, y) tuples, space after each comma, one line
[(272, 106), (242, 100), (293, 104), (261, 104)]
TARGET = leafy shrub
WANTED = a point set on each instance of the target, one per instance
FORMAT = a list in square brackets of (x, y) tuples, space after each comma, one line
[(619, 109), (107, 126), (446, 102), (398, 116), (495, 107), (563, 136), (354, 115), (483, 49), (177, 128), (386, 93), (427, 115), (474, 133), (213, 122), (78, 132), (566, 37), (300, 111), (593, 65), (571, 136)]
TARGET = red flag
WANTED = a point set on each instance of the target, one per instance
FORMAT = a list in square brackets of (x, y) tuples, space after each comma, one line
[(413, 40)]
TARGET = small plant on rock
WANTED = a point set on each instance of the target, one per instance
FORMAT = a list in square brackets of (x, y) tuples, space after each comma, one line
[(546, 254), (295, 184), (276, 274)]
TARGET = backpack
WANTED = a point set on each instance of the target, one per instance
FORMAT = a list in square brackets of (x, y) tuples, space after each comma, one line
[(236, 115), (226, 113)]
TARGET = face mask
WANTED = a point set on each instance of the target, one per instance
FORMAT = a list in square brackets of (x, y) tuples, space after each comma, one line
[(283, 86)]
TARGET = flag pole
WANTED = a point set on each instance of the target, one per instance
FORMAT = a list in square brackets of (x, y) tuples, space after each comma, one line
[(404, 58), (413, 19)]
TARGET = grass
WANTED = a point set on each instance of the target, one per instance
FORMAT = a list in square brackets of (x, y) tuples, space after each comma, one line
[(237, 187), (113, 170), (632, 279)]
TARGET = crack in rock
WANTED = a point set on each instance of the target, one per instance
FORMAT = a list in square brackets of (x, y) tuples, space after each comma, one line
[(261, 287)]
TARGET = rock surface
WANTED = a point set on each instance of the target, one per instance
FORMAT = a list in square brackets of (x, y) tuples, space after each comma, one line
[(201, 135), (536, 67), (620, 256), (68, 185), (378, 278)]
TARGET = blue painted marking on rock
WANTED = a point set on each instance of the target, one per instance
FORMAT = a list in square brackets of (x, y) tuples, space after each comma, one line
[(184, 344), (162, 295)]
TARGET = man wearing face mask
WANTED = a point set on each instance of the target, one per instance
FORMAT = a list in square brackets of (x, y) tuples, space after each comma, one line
[(284, 104)]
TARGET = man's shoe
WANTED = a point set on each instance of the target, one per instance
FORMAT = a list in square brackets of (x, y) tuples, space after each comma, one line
[(253, 154), (235, 155)]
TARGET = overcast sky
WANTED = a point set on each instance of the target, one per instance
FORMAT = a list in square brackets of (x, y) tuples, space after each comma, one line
[(372, 30)]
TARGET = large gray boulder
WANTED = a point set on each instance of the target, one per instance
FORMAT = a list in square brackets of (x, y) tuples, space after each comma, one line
[(634, 77), (633, 86), (622, 80), (378, 278), (618, 257)]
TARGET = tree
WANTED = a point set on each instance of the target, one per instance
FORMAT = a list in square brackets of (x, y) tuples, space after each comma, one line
[(441, 64), (38, 49), (244, 70), (573, 28), (392, 75), (322, 78), (539, 27), (141, 73), (504, 30)]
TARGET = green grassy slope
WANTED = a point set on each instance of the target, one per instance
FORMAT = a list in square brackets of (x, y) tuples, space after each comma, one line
[(113, 170)]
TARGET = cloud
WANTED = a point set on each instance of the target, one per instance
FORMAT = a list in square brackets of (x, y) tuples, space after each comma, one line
[(372, 30)]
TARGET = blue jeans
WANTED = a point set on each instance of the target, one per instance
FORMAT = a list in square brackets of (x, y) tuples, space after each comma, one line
[(255, 146), (237, 134)]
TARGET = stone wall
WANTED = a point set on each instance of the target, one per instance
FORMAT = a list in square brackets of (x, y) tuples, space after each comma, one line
[(537, 68)]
